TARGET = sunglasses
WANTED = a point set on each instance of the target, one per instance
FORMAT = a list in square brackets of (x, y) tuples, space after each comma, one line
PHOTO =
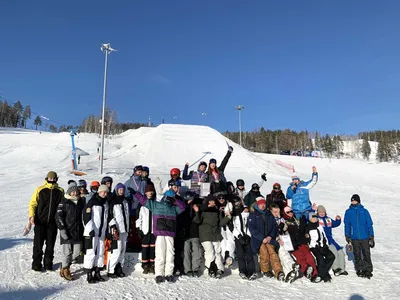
[(277, 187), (255, 188), (289, 212), (221, 198)]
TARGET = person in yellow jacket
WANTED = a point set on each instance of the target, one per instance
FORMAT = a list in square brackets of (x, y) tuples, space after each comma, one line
[(42, 210)]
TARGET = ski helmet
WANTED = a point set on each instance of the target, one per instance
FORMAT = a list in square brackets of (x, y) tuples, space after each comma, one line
[(146, 169), (189, 196), (173, 182), (240, 182), (82, 183), (70, 181), (106, 179), (137, 168), (95, 184), (175, 171)]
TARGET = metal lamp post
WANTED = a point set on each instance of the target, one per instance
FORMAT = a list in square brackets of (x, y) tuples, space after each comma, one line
[(240, 108), (107, 49)]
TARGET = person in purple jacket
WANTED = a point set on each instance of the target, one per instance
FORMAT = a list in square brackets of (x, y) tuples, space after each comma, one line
[(164, 228)]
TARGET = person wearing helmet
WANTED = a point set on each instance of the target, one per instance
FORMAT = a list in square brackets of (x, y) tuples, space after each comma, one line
[(108, 181), (192, 251), (276, 197), (196, 177), (175, 174), (94, 186), (82, 186), (164, 226), (135, 183), (216, 174)]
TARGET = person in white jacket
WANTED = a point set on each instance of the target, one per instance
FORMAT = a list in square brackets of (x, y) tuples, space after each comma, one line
[(119, 215), (290, 267), (95, 220), (144, 228), (241, 232)]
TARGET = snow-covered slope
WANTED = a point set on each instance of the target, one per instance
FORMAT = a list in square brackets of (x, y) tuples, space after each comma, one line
[(26, 156)]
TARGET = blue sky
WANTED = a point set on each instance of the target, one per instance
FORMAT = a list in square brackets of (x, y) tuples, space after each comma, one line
[(331, 66)]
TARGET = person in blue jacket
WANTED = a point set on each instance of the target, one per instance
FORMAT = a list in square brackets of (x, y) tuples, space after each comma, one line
[(359, 232), (299, 196), (339, 265)]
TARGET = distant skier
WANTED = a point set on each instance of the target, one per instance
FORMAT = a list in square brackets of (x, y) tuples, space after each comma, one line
[(299, 196), (79, 159), (42, 210)]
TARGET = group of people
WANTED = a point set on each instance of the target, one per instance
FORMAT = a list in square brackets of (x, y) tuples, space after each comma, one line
[(183, 229)]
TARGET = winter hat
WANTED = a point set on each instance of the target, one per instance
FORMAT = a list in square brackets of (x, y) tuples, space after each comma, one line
[(210, 197), (213, 161), (146, 169), (295, 176), (202, 163), (355, 197), (169, 193), (312, 215), (137, 168), (82, 183), (120, 186), (276, 184), (149, 188), (52, 174), (106, 179), (240, 182), (255, 186), (71, 180), (103, 188), (286, 211), (261, 200), (71, 188), (321, 208), (173, 182)]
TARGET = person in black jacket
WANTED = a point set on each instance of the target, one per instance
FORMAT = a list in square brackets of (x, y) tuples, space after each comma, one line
[(69, 222), (276, 197), (192, 253), (251, 196), (42, 210), (216, 174)]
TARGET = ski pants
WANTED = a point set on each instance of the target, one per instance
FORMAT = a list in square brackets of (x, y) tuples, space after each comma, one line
[(362, 255), (339, 262), (269, 259), (286, 259), (304, 259), (227, 243), (94, 256), (117, 255), (299, 214), (148, 249), (245, 258), (70, 253), (164, 262), (192, 255), (44, 233), (179, 247), (325, 259), (212, 252)]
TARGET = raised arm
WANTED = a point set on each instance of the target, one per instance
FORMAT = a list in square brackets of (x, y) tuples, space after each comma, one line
[(224, 162), (185, 175)]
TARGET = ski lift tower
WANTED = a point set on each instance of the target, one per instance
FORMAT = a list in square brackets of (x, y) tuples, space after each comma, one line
[(75, 171)]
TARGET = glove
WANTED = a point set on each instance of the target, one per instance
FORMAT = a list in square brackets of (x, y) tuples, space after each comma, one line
[(242, 240), (348, 239), (230, 149), (64, 235), (131, 190), (371, 242), (264, 176), (170, 200), (139, 233)]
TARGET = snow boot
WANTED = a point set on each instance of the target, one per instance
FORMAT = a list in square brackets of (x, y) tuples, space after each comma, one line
[(97, 274), (281, 276), (112, 275), (159, 279), (309, 272), (151, 270), (90, 278), (360, 274), (268, 274), (190, 274), (118, 270), (49, 267), (291, 277), (253, 276), (219, 273), (344, 273), (37, 268), (367, 274), (66, 273), (243, 276), (169, 278), (316, 279), (146, 269), (196, 274)]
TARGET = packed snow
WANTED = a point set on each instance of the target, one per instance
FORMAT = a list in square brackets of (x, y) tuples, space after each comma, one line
[(27, 156)]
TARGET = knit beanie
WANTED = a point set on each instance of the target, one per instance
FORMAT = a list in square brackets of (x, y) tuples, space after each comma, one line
[(120, 186), (202, 163), (312, 215), (103, 188), (295, 176), (149, 188), (213, 161), (321, 208), (71, 188), (260, 200), (356, 197)]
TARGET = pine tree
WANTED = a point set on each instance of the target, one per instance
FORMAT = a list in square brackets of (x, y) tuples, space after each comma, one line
[(26, 115), (366, 148), (37, 121)]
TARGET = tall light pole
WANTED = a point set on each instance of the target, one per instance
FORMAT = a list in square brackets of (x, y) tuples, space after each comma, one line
[(107, 49), (240, 108)]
